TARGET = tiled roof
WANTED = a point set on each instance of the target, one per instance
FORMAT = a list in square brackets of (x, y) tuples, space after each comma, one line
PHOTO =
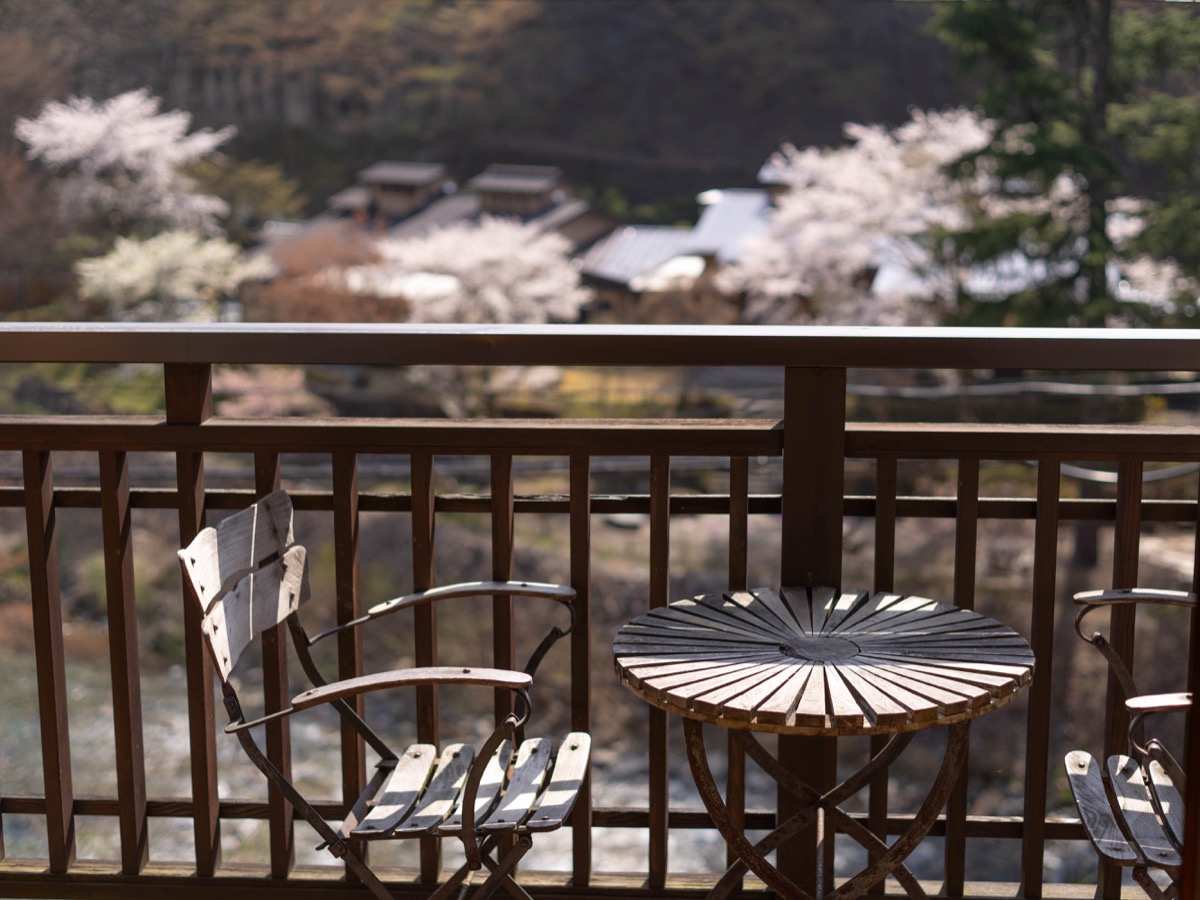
[(729, 217), (413, 173), (438, 214), (633, 250), (560, 214), (517, 179), (351, 198)]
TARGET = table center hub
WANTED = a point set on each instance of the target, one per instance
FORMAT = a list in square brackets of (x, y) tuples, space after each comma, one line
[(819, 649)]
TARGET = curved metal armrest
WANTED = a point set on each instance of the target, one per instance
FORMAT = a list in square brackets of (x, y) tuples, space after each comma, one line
[(1147, 705), (518, 682), (1114, 596), (1159, 703), (1089, 601), (559, 592)]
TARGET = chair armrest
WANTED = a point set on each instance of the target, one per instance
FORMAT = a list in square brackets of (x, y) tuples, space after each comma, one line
[(1115, 597), (1159, 703), (559, 592), (426, 675)]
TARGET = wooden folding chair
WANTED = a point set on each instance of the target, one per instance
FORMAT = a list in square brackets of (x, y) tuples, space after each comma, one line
[(1132, 808), (249, 576)]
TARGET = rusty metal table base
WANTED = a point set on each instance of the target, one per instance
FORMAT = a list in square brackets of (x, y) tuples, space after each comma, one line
[(887, 860)]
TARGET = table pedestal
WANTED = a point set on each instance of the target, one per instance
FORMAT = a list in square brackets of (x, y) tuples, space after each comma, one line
[(887, 860)]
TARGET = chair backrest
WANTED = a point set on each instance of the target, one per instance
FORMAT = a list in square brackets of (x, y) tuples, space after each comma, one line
[(247, 575)]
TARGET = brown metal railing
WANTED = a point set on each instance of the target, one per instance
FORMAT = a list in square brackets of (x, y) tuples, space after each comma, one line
[(814, 440)]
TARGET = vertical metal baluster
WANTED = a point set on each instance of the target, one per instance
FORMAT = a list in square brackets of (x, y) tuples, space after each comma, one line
[(189, 402), (425, 627), (276, 697), (1189, 881), (966, 540), (581, 656), (660, 592), (1037, 747), (739, 543), (41, 525), (117, 525), (885, 580), (347, 577), (1122, 625), (503, 638)]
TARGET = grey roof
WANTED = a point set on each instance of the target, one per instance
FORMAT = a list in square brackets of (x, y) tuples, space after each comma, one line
[(634, 250), (413, 173), (438, 214), (729, 217), (517, 179), (560, 214), (351, 198)]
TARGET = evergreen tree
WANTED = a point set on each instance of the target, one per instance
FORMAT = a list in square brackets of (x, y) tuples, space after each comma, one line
[(1066, 83)]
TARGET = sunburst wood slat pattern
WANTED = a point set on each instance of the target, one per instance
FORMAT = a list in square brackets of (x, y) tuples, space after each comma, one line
[(821, 661)]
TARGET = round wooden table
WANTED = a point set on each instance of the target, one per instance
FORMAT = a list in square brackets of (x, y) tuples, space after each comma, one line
[(821, 662)]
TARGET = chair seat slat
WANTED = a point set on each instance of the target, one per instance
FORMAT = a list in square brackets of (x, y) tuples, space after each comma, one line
[(1169, 799), (1137, 810), (399, 793), (529, 773), (490, 786), (1102, 829), (442, 795), (558, 798)]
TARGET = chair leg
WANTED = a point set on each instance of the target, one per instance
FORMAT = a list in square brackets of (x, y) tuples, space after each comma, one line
[(367, 877), (1148, 884), (500, 872)]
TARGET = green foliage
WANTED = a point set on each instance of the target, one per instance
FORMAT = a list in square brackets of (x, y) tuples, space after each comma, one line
[(1095, 94), (1156, 58), (255, 191), (96, 388)]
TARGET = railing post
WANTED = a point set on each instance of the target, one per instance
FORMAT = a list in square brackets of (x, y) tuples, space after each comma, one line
[(814, 460), (41, 524), (123, 659), (189, 402)]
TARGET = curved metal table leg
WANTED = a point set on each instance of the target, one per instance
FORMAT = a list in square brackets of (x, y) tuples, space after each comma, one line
[(698, 760), (889, 859)]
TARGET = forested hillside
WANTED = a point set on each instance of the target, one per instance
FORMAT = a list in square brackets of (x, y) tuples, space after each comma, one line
[(652, 97)]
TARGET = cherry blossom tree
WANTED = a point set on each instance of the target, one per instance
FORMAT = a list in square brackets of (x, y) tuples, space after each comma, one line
[(122, 161), (850, 211), (489, 271), (173, 276), (862, 235), (493, 270)]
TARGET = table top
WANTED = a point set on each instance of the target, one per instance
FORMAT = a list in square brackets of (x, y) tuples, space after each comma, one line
[(819, 661)]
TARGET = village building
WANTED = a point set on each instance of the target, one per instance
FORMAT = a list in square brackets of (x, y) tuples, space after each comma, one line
[(661, 274)]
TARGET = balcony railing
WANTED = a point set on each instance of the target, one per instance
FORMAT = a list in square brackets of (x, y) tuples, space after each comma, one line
[(997, 494)]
